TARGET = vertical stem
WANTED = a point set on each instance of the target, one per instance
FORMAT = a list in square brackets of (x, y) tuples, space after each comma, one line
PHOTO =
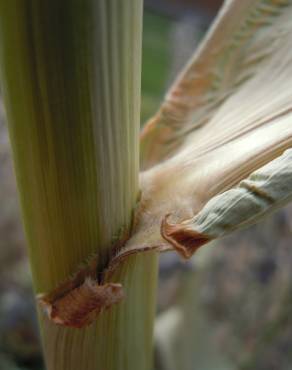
[(70, 72)]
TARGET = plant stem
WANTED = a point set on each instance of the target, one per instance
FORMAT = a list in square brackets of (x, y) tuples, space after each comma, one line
[(70, 73)]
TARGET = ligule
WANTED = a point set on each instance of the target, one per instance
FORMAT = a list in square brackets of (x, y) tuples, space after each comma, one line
[(80, 306)]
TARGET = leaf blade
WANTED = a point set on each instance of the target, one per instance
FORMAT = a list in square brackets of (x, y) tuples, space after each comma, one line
[(243, 39), (264, 191)]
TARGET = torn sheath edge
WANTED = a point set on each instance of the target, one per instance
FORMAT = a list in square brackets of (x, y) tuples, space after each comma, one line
[(77, 302)]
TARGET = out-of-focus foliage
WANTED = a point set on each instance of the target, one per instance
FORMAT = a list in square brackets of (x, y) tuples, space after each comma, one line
[(232, 310), (156, 49), (19, 339)]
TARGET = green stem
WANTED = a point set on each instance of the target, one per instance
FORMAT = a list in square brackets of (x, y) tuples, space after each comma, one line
[(70, 72)]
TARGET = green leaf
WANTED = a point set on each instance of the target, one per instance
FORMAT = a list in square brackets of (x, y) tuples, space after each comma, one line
[(265, 190)]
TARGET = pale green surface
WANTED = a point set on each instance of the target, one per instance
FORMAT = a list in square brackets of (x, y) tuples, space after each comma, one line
[(71, 79), (264, 191)]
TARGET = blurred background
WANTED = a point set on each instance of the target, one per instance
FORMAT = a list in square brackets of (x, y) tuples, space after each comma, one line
[(228, 308)]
